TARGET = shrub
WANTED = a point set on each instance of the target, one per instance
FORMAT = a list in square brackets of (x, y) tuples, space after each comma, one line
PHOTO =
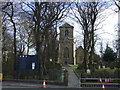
[(54, 74), (117, 73), (81, 68), (8, 76), (98, 74), (50, 65)]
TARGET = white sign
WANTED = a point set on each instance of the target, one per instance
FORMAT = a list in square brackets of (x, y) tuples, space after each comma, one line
[(33, 65)]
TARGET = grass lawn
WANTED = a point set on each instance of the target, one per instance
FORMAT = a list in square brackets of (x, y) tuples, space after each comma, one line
[(71, 65)]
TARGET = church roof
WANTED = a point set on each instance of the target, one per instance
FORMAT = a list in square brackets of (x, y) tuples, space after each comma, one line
[(80, 48), (66, 25)]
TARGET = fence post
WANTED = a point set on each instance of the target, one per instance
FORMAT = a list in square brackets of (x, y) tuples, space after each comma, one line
[(66, 77), (80, 81)]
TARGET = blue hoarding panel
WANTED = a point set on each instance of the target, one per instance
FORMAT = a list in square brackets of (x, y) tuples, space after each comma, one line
[(27, 62), (21, 62), (32, 59)]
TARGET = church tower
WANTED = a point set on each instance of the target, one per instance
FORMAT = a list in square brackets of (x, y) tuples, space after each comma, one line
[(66, 44)]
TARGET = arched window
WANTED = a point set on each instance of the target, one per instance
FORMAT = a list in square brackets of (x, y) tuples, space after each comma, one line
[(66, 53), (66, 32)]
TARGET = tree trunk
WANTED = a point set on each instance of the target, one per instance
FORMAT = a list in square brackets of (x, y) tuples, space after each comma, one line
[(85, 52)]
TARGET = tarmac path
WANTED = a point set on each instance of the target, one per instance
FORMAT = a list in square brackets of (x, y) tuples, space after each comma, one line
[(73, 81)]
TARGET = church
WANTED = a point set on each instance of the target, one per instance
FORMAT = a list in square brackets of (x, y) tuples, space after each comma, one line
[(67, 52)]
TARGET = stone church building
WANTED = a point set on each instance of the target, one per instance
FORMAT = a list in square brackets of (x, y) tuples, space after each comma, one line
[(67, 52), (79, 55), (66, 44)]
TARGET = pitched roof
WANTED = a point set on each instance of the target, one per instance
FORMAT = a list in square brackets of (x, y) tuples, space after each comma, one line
[(66, 25), (80, 47)]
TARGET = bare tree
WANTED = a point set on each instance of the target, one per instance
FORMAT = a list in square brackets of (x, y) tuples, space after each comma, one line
[(87, 15), (7, 52), (117, 3), (44, 15), (7, 42), (8, 9), (24, 35)]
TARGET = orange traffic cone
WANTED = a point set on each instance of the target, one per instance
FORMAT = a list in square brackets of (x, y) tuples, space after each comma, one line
[(100, 80), (103, 87), (44, 85)]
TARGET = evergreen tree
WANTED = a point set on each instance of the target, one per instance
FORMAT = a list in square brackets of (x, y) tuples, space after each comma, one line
[(109, 55)]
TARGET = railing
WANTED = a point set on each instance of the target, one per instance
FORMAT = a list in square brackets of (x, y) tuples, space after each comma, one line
[(99, 82)]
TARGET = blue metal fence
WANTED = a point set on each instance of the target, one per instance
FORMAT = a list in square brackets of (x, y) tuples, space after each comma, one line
[(98, 82)]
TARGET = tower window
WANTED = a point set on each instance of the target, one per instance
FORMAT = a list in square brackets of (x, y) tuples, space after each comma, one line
[(66, 53), (66, 32)]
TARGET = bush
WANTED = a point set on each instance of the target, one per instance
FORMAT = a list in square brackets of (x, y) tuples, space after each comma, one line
[(22, 74), (98, 74), (52, 70), (53, 75), (8, 77), (117, 73), (85, 75), (50, 65), (81, 67), (101, 74)]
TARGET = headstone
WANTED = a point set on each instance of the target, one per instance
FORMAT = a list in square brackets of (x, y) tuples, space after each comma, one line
[(50, 60), (88, 71), (103, 66)]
